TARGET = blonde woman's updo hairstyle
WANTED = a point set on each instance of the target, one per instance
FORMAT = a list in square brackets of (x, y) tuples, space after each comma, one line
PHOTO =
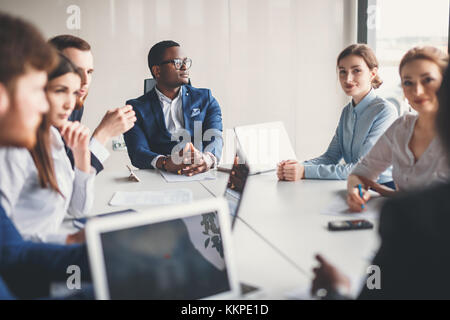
[(429, 53), (367, 54)]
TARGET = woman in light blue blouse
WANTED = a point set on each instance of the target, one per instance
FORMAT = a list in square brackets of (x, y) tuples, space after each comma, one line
[(362, 121)]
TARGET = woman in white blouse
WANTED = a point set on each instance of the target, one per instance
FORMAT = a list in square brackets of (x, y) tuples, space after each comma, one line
[(410, 145), (39, 186)]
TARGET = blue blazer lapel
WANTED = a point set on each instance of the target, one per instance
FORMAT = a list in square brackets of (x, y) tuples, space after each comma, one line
[(155, 106), (187, 103)]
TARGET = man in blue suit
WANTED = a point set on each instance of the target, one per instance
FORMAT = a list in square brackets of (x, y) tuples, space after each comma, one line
[(27, 268), (178, 127)]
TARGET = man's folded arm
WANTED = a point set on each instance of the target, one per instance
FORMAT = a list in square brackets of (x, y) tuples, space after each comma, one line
[(212, 129), (137, 146)]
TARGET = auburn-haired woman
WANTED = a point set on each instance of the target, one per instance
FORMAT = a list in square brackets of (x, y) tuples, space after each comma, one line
[(38, 186), (411, 145)]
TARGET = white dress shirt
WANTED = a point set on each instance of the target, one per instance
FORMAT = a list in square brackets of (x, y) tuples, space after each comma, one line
[(37, 212), (98, 150), (173, 111), (392, 148), (174, 120)]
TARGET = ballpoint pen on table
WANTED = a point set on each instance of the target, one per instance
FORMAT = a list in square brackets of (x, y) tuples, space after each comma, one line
[(361, 194)]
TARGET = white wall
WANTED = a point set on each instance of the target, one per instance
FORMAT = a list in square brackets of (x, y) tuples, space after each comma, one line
[(264, 60)]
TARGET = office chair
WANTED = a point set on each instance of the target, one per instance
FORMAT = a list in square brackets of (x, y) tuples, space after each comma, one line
[(150, 83)]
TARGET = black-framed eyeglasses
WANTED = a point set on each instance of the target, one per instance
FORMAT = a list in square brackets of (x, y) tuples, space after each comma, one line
[(178, 63)]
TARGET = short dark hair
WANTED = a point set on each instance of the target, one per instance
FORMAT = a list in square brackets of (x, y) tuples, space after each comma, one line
[(22, 46), (443, 114), (156, 53), (65, 41), (64, 66)]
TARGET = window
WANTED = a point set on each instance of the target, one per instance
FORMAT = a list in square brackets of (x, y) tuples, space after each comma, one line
[(393, 27)]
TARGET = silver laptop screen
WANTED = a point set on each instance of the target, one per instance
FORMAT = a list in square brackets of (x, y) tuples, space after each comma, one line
[(175, 259)]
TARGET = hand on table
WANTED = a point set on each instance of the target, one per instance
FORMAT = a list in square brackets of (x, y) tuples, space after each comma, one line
[(188, 162), (194, 160), (290, 170), (78, 237)]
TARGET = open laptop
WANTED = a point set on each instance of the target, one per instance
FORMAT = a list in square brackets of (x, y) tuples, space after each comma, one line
[(236, 184), (234, 191), (176, 252), (264, 145)]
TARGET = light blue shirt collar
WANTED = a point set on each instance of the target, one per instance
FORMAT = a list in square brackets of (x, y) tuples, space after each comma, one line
[(365, 102)]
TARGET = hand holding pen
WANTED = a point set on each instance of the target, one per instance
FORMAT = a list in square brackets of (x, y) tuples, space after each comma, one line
[(357, 198)]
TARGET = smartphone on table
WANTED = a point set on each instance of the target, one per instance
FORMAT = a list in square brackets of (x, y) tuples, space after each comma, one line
[(342, 225)]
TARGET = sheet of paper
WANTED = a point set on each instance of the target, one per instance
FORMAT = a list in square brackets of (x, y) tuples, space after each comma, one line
[(151, 198), (173, 177), (339, 207)]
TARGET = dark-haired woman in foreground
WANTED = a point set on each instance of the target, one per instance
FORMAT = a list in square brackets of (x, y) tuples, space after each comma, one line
[(38, 186)]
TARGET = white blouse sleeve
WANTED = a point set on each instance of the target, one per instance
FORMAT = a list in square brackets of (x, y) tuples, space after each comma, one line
[(58, 238), (99, 150), (82, 194), (14, 171), (379, 158)]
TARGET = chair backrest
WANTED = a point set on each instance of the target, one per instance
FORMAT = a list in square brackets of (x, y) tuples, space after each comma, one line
[(150, 83)]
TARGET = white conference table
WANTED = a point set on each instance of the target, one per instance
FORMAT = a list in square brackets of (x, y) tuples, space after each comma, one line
[(280, 231), (288, 215), (258, 264)]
